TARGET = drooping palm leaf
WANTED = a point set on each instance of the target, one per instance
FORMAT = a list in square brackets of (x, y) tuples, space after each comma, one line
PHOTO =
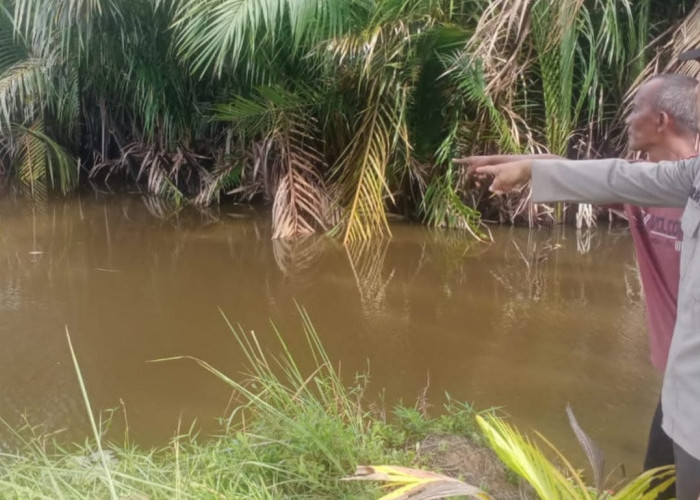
[(593, 453), (293, 169), (301, 202), (215, 33), (524, 458), (60, 167), (414, 484), (376, 56), (361, 180)]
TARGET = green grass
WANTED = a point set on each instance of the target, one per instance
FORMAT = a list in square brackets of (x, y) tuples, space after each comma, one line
[(292, 435)]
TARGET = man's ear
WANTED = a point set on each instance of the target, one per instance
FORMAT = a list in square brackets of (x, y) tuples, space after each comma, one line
[(662, 121)]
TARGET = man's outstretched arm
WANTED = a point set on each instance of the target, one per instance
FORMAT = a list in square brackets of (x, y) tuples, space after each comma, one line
[(598, 181)]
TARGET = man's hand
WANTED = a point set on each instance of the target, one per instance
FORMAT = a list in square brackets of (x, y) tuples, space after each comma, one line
[(475, 163), (506, 176)]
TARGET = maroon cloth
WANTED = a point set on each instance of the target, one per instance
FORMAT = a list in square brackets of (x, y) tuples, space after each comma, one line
[(657, 239)]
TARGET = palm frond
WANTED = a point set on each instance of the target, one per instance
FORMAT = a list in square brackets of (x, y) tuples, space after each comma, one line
[(414, 484), (300, 199), (215, 33), (301, 202), (640, 487), (60, 167), (684, 35), (381, 59), (31, 161), (38, 160), (22, 87), (593, 453), (259, 113), (523, 457), (361, 182)]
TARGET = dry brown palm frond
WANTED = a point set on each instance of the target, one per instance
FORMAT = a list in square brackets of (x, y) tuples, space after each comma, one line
[(255, 175), (166, 172), (301, 200), (667, 47), (498, 39)]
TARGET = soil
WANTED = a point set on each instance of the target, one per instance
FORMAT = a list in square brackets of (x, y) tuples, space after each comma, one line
[(458, 457)]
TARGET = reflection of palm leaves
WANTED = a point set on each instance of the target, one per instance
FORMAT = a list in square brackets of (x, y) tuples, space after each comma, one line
[(450, 249), (367, 263), (294, 256), (161, 208)]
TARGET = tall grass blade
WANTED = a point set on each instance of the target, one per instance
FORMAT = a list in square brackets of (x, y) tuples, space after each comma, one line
[(95, 432)]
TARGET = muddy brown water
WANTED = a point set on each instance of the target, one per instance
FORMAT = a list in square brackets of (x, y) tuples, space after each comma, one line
[(530, 323)]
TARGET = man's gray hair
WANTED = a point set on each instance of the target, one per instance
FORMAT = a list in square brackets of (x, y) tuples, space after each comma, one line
[(676, 96)]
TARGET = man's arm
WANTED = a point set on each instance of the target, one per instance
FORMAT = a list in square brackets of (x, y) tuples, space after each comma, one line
[(598, 181), (610, 181), (474, 162)]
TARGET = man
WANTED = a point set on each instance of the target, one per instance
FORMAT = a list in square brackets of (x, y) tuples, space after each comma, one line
[(663, 126), (666, 184)]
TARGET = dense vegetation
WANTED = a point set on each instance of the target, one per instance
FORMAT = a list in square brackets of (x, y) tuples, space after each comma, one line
[(335, 112)]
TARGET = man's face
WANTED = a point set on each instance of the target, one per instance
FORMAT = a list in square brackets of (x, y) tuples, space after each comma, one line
[(642, 123)]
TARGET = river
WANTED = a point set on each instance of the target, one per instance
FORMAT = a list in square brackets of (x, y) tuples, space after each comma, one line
[(534, 321)]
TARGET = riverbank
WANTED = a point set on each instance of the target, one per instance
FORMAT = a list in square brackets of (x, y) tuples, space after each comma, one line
[(294, 433), (290, 435)]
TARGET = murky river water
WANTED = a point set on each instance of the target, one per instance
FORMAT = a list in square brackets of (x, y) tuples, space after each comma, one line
[(534, 321)]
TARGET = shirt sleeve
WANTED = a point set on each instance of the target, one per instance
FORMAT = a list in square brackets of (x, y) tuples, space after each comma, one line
[(614, 181)]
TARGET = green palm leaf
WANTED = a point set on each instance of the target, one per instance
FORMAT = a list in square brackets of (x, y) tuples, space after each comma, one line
[(361, 183), (40, 161), (215, 33)]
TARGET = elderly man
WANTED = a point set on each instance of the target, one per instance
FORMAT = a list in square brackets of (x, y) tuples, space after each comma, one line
[(663, 125), (675, 184)]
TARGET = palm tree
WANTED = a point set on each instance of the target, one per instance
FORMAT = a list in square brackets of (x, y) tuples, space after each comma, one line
[(334, 112)]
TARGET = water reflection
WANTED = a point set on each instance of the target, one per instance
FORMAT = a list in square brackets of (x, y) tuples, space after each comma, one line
[(531, 322), (367, 260)]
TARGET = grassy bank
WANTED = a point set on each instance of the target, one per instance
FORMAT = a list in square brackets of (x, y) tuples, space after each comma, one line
[(292, 434)]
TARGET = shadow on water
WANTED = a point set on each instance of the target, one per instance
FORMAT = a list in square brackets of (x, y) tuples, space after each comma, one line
[(533, 321)]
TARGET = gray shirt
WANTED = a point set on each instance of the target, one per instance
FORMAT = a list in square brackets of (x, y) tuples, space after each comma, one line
[(668, 184)]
